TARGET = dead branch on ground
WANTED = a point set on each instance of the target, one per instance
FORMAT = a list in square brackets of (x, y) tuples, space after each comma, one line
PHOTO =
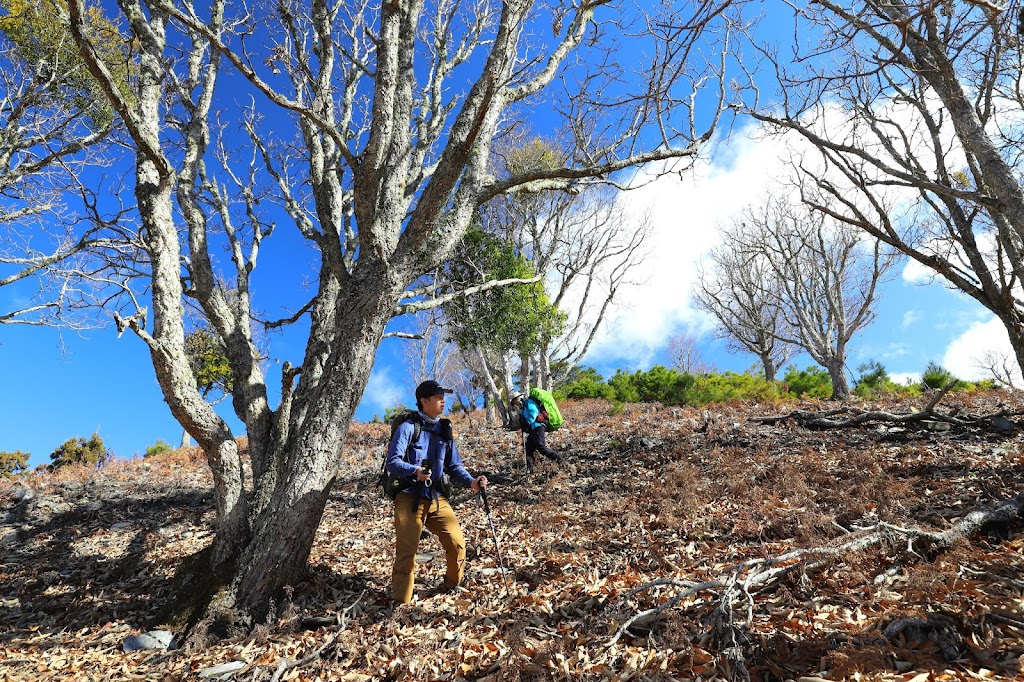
[(833, 419), (741, 581)]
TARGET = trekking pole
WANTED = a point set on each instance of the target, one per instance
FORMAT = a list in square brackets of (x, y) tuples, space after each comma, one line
[(497, 550), (526, 456)]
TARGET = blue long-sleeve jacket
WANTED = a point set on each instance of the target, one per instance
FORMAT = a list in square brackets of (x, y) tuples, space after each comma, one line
[(528, 417), (429, 448)]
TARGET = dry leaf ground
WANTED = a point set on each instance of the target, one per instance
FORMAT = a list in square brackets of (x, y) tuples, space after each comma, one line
[(648, 492)]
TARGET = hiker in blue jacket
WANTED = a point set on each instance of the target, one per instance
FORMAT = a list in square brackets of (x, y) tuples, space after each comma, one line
[(427, 463), (531, 422)]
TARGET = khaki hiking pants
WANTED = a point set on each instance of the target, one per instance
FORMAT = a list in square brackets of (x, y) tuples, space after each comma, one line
[(439, 518)]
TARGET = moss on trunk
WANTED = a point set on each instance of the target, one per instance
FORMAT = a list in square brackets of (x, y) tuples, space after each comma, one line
[(198, 591)]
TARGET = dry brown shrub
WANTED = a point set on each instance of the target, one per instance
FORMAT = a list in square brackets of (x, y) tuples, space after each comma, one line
[(665, 498), (848, 662), (586, 411)]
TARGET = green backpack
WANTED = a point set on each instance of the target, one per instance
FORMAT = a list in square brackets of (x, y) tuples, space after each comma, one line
[(548, 408)]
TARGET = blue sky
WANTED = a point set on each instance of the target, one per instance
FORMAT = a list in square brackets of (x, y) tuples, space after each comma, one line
[(105, 384)]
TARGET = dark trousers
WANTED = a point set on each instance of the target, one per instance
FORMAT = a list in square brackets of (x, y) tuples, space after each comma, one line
[(536, 442)]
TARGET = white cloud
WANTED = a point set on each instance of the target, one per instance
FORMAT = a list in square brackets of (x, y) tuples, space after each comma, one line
[(964, 353), (383, 392), (905, 378), (685, 211)]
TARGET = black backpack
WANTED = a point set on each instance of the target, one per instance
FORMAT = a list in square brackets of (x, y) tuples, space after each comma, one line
[(390, 484)]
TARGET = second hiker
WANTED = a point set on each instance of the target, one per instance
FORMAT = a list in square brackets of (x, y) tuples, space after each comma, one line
[(531, 422)]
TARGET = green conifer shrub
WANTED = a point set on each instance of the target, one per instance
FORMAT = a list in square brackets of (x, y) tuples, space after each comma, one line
[(80, 451), (13, 462)]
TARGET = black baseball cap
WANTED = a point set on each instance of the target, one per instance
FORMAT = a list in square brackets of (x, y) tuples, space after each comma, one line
[(429, 388)]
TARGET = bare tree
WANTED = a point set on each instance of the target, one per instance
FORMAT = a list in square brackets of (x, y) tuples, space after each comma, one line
[(431, 355), (685, 355), (741, 291), (395, 108), (461, 376), (918, 144), (49, 132), (427, 354), (1001, 368), (823, 278), (583, 244)]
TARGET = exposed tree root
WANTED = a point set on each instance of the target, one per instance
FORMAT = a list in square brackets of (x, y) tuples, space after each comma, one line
[(843, 417), (739, 583)]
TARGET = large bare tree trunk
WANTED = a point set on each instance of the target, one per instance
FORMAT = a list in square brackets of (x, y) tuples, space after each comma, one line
[(544, 367), (284, 531), (490, 411), (526, 371), (769, 367)]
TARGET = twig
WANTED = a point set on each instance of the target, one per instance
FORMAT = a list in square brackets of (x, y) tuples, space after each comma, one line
[(643, 615), (1006, 620), (287, 664)]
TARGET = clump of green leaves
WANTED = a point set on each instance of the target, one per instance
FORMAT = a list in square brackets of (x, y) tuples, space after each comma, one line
[(729, 386), (668, 386), (937, 376), (875, 381), (13, 462), (812, 382), (157, 448), (209, 361), (80, 451), (658, 384), (516, 317), (392, 412), (583, 383), (40, 32)]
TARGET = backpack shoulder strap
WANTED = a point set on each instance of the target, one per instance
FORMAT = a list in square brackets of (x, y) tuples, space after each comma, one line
[(417, 429)]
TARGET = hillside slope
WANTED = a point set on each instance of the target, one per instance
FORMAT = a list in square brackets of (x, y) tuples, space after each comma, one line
[(648, 494)]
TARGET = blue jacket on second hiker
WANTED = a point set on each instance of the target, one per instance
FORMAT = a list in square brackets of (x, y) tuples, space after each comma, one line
[(428, 448), (528, 417)]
